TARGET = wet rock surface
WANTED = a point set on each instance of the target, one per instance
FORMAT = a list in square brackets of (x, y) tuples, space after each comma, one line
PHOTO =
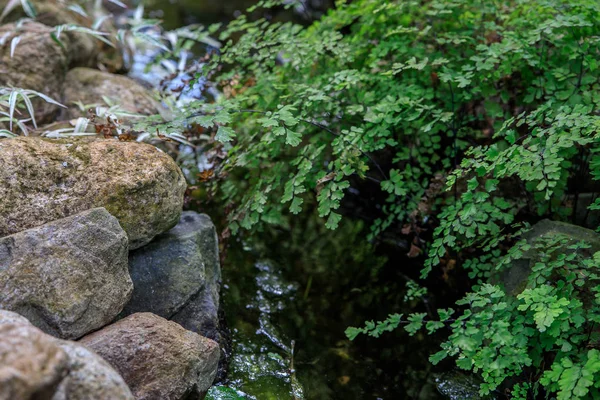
[(171, 270), (178, 275), (47, 179), (157, 358), (455, 385), (68, 277)]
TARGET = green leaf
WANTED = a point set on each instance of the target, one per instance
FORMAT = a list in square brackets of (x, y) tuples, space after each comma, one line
[(224, 134), (437, 357), (292, 138), (415, 323), (333, 221), (295, 207)]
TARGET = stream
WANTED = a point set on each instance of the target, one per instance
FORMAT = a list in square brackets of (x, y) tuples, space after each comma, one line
[(288, 296)]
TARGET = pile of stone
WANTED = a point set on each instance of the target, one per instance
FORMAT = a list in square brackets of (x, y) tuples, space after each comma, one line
[(107, 290)]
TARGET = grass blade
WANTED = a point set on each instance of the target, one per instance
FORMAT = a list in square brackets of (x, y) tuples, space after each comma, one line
[(13, 45), (118, 3), (23, 127), (29, 108), (81, 125), (76, 8), (98, 23), (12, 104), (11, 5), (29, 8), (7, 133), (48, 99)]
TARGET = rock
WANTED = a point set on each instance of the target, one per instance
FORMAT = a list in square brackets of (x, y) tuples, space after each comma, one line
[(583, 216), (90, 377), (157, 358), (201, 315), (47, 179), (90, 87), (459, 386), (178, 276), (32, 364), (68, 277), (38, 64), (84, 50), (515, 277), (9, 317)]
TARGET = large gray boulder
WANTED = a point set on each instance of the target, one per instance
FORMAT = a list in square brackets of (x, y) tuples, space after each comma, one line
[(47, 179), (177, 276), (157, 358), (34, 365), (68, 277)]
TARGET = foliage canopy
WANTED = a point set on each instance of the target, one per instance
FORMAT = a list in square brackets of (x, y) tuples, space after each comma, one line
[(471, 116)]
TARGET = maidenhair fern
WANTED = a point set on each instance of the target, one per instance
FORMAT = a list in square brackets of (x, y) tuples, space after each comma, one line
[(498, 100)]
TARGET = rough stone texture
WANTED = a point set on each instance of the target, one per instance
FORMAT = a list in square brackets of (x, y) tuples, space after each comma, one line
[(84, 50), (38, 64), (32, 364), (515, 277), (9, 317), (67, 277), (157, 358), (90, 86), (178, 276), (90, 377), (47, 179)]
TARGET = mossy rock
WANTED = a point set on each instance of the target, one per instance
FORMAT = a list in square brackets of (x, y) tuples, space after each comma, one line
[(38, 63), (90, 86), (84, 50), (515, 277), (47, 179), (68, 277)]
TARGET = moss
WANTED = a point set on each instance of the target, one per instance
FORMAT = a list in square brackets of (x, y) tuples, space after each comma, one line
[(87, 76), (66, 140), (81, 152), (119, 205)]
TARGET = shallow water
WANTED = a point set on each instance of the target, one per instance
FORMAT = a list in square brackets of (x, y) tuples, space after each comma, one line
[(288, 296), (287, 328)]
